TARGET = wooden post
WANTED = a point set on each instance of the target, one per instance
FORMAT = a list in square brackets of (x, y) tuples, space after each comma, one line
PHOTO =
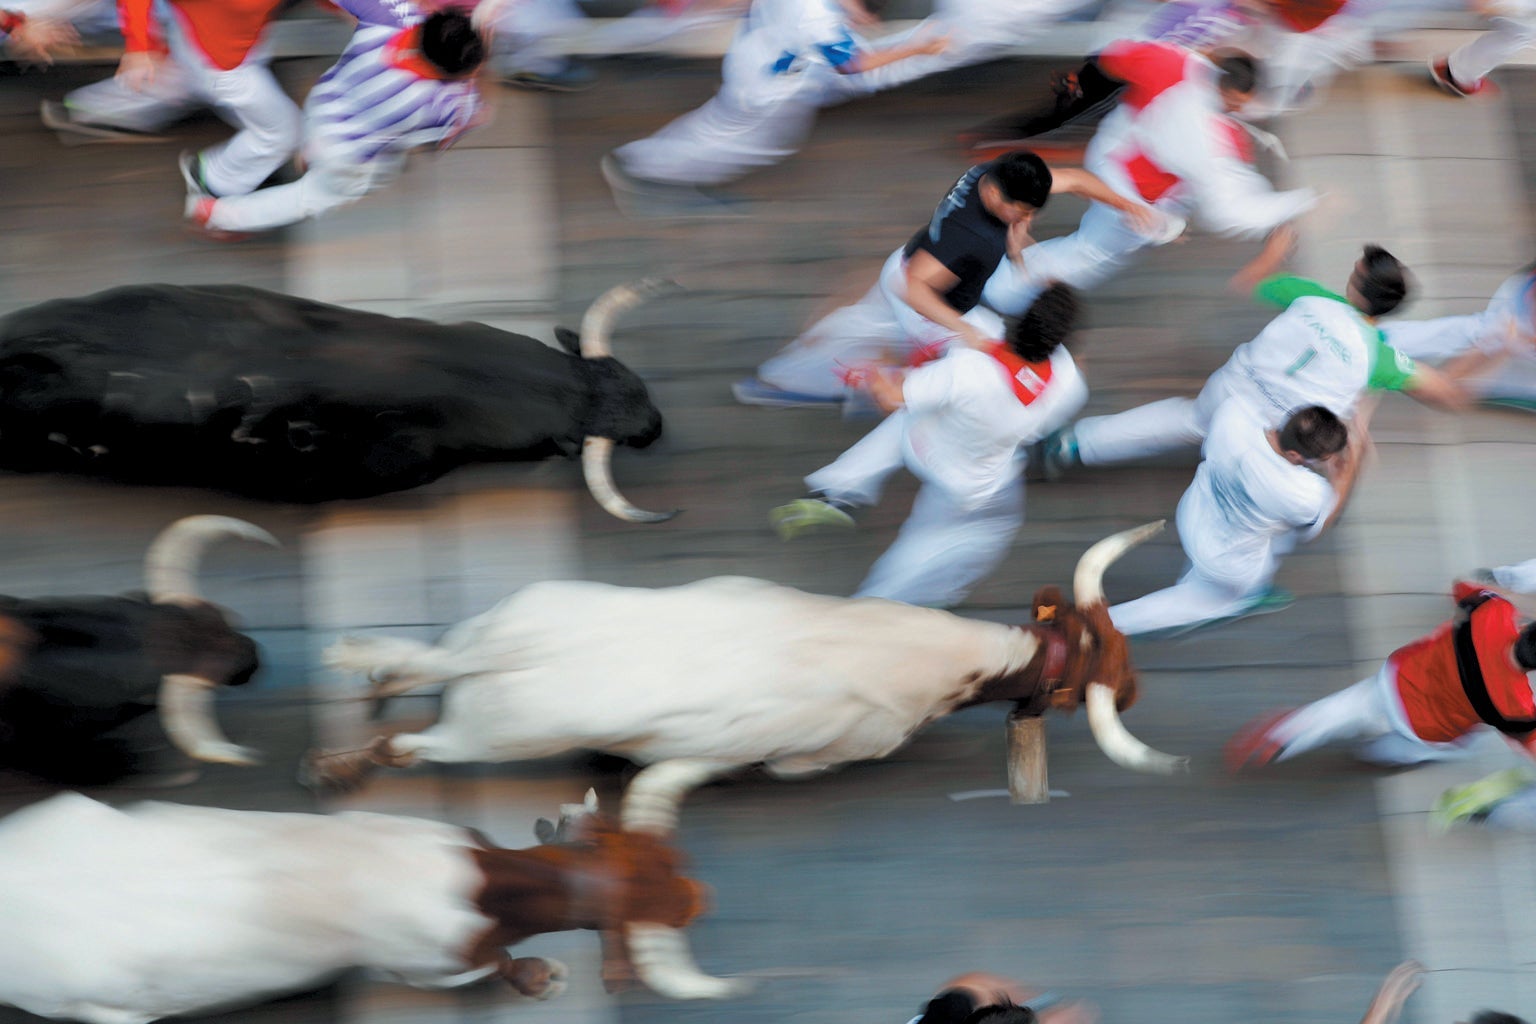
[(1028, 782)]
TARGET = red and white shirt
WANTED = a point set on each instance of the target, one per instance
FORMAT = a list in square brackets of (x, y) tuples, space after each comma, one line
[(1170, 144), (1429, 685), (969, 412)]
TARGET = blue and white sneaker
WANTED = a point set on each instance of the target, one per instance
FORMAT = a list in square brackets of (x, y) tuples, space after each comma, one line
[(1058, 453), (752, 391)]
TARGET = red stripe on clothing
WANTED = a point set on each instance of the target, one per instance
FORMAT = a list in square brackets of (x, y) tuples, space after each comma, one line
[(1149, 69), (1028, 380)]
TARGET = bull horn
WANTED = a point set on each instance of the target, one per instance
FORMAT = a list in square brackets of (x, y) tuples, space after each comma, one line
[(170, 566), (596, 459), (662, 960), (1117, 742), (186, 713), (597, 324), (1088, 580)]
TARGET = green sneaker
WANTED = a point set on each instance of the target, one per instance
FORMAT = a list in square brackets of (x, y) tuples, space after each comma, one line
[(1460, 803), (802, 514)]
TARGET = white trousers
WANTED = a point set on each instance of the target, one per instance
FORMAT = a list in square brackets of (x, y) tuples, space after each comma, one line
[(268, 124), (877, 328), (1509, 36), (1211, 591), (530, 36), (945, 546), (1442, 338), (329, 182), (1101, 246), (722, 140), (1520, 577), (1370, 713), (1299, 65), (1152, 429)]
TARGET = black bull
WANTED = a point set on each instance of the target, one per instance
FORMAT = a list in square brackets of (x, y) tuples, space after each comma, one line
[(80, 680), (283, 398)]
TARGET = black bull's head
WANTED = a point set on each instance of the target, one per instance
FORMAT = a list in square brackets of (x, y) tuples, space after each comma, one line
[(283, 398)]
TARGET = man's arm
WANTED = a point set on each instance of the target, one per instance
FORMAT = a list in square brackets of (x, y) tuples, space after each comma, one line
[(140, 62), (1080, 182), (1394, 991), (1343, 471), (1261, 275), (927, 282), (1437, 390), (920, 45)]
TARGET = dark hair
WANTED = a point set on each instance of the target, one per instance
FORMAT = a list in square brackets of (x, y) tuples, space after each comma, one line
[(1239, 72), (1314, 433), (1002, 1013), (450, 43), (1050, 319), (1525, 657), (1383, 284), (1023, 177), (1494, 1017)]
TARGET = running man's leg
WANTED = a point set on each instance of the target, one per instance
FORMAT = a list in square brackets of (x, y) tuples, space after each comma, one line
[(1472, 62), (325, 186), (270, 128), (944, 549), (168, 97), (857, 476)]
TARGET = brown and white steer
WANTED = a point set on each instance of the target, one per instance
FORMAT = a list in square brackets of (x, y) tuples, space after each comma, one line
[(159, 910)]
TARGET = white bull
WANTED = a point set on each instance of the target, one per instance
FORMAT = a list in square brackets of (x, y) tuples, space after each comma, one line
[(124, 917)]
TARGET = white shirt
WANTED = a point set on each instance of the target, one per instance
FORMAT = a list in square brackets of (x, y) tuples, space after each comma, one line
[(1318, 352), (778, 41), (1245, 496), (965, 424)]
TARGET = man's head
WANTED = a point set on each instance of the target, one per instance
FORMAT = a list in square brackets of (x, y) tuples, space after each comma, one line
[(1015, 186), (1237, 78), (1312, 434), (1525, 657), (1379, 283), (1048, 322), (1002, 1013), (450, 43)]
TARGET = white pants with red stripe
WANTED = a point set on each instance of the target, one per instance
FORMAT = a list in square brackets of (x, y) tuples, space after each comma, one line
[(946, 545), (268, 124), (1370, 713), (330, 181), (878, 328)]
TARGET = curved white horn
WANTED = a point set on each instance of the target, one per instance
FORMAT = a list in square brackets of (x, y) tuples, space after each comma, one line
[(1117, 742), (1088, 580), (596, 459), (663, 961), (186, 712), (170, 565), (597, 324)]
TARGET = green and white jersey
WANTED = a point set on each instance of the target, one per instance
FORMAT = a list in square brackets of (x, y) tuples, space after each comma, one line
[(1319, 351)]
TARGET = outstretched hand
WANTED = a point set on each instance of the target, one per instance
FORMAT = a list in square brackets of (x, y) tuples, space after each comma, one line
[(40, 40), (1399, 984)]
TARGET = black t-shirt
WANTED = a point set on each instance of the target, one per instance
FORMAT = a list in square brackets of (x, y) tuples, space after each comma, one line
[(952, 1006), (963, 236)]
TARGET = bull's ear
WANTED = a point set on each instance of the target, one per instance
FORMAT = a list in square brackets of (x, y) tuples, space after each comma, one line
[(544, 831), (569, 340)]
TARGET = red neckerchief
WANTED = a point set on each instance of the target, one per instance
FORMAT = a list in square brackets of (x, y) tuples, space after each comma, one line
[(1028, 380), (403, 51)]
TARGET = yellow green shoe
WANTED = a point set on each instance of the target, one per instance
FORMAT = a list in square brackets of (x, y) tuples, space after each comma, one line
[(804, 514), (1459, 803)]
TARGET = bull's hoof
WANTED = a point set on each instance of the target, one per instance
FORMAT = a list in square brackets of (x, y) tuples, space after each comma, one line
[(338, 772), (536, 977)]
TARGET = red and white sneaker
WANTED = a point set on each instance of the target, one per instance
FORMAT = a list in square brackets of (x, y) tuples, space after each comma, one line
[(1440, 74), (1253, 746), (198, 212)]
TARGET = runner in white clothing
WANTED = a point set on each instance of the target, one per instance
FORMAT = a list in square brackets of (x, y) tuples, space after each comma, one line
[(1172, 143), (770, 90), (405, 80), (957, 424), (1257, 494), (1324, 349)]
